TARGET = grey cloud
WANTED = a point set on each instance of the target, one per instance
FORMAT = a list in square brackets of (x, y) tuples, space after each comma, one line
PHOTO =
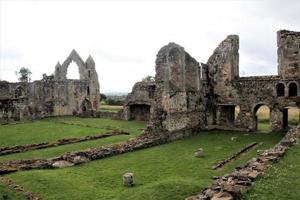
[(111, 57), (286, 12)]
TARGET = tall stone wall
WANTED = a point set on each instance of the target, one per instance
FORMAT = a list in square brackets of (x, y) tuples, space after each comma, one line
[(228, 90), (189, 95), (179, 100)]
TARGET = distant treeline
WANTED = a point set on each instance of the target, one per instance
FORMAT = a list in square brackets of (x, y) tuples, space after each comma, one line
[(113, 99)]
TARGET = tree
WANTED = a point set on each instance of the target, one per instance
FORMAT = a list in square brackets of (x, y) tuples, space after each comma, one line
[(24, 74), (102, 97)]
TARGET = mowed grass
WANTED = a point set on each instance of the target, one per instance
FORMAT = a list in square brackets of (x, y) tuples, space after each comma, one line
[(40, 131), (167, 171), (8, 194), (110, 108), (49, 130)]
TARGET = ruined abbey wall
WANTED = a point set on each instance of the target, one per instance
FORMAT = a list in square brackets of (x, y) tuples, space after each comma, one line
[(186, 94), (179, 100), (53, 95), (193, 95)]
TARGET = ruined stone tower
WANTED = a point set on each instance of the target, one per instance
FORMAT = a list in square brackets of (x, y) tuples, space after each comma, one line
[(288, 43)]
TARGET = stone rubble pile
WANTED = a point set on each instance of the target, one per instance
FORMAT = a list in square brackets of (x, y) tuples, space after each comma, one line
[(231, 186)]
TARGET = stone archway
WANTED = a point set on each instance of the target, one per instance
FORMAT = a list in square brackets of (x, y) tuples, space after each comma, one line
[(86, 108), (291, 117), (262, 117)]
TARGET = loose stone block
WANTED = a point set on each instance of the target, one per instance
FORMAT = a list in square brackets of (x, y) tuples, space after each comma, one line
[(62, 164), (128, 179), (199, 153)]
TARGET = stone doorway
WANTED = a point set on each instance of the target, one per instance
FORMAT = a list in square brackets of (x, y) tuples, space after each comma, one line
[(86, 108), (140, 112), (262, 115), (291, 116)]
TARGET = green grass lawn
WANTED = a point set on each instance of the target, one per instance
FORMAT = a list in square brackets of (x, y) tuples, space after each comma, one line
[(168, 171), (40, 131), (110, 108), (48, 130), (6, 193)]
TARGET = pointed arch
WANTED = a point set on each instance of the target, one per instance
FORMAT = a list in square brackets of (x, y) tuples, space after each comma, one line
[(74, 56), (61, 70)]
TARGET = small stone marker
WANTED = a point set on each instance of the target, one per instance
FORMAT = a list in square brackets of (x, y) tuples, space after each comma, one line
[(128, 179), (80, 159), (62, 163), (234, 139), (199, 153)]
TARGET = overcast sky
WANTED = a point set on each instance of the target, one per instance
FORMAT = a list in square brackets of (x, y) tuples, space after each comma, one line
[(124, 37)]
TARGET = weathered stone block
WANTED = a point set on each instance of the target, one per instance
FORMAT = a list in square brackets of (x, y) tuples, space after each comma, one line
[(199, 153), (128, 179)]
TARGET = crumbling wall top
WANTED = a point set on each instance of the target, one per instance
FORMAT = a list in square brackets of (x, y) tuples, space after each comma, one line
[(173, 65), (224, 62), (288, 43)]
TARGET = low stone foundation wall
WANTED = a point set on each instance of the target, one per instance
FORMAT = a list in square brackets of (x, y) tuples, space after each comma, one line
[(110, 115), (43, 145), (232, 185), (145, 140), (234, 156)]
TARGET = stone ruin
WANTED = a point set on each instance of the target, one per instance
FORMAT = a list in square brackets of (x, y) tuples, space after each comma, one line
[(138, 102), (185, 95), (54, 95), (191, 95)]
